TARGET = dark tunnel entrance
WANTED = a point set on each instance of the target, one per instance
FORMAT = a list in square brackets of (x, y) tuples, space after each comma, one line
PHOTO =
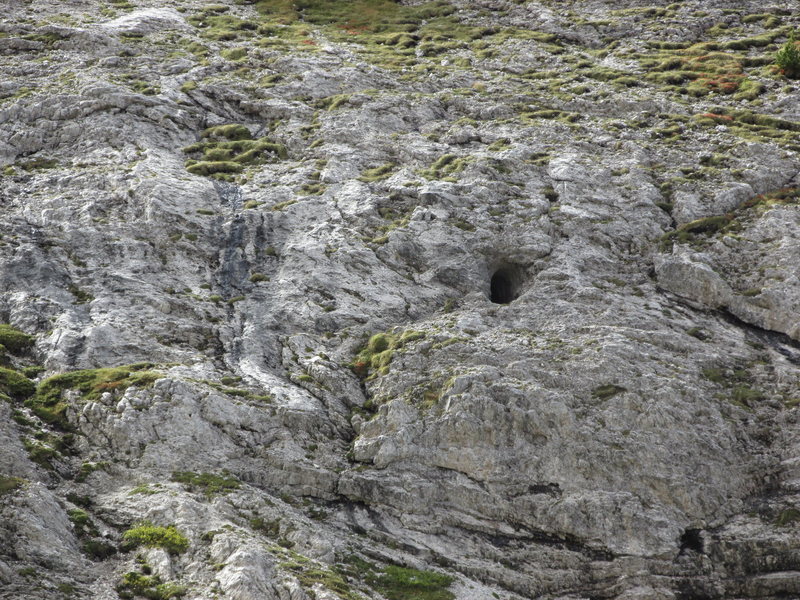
[(502, 287)]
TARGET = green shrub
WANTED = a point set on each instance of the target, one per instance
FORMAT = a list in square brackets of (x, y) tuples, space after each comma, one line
[(48, 405), (154, 536), (214, 167), (14, 340), (15, 385), (135, 584), (379, 351), (787, 517), (380, 342), (228, 132), (398, 583), (604, 392), (82, 523), (234, 54), (9, 484), (40, 454), (208, 483), (788, 58), (378, 173), (98, 549)]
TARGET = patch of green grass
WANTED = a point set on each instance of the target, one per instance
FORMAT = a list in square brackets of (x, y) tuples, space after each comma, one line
[(745, 395), (269, 528), (98, 549), (400, 583), (213, 167), (15, 385), (208, 483), (230, 132), (689, 232), (135, 584), (227, 149), (47, 403), (312, 189), (14, 340), (234, 54), (81, 296), (143, 489), (9, 484), (445, 166), (604, 392), (333, 102), (787, 59), (376, 356), (310, 574), (753, 126), (40, 454), (82, 523), (154, 536), (37, 164), (788, 517), (697, 332), (88, 468), (499, 145), (378, 173)]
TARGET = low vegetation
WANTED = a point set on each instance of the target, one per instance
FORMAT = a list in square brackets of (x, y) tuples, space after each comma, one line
[(136, 585), (48, 402), (14, 385), (13, 340), (787, 58), (700, 230), (375, 357), (208, 483), (399, 583), (225, 150), (154, 536), (9, 484)]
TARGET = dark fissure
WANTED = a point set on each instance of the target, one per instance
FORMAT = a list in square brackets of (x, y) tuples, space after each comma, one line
[(502, 291)]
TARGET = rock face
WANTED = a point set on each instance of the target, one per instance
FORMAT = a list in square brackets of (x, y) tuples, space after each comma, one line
[(255, 246)]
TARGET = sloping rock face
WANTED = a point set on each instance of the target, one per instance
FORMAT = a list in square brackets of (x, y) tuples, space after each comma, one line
[(254, 245)]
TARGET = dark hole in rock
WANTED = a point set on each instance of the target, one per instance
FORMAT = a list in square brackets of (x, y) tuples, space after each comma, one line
[(502, 287), (692, 540)]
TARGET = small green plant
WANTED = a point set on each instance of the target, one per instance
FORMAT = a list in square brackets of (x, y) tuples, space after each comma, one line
[(604, 392), (135, 584), (14, 340), (143, 489), (445, 167), (399, 583), (9, 484), (49, 406), (378, 173), (211, 485), (226, 149), (788, 58), (15, 385), (88, 468), (379, 351), (81, 522), (270, 528), (154, 536), (697, 332), (788, 517), (98, 549)]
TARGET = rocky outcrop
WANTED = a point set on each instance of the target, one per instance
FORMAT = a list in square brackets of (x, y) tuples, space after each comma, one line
[(255, 249)]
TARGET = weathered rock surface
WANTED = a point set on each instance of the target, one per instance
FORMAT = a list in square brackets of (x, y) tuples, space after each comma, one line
[(626, 427)]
